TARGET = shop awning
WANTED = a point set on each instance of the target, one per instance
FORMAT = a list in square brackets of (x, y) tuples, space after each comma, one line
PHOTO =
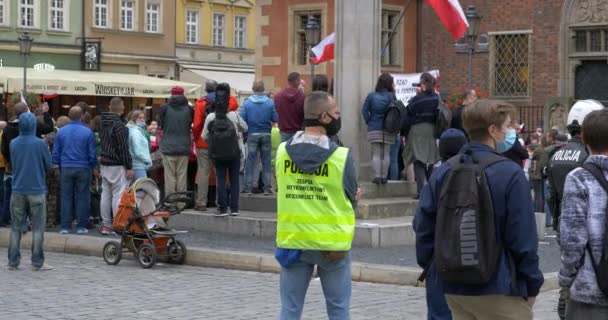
[(240, 80), (87, 83)]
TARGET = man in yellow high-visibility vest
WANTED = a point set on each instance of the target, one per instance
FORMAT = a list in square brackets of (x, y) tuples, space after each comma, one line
[(317, 194)]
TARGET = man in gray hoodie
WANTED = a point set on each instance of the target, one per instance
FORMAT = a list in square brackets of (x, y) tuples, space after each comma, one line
[(317, 182), (582, 225)]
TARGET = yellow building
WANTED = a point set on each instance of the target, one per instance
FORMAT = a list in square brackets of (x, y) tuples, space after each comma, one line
[(215, 39)]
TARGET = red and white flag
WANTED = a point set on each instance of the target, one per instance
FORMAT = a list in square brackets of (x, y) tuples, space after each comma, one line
[(451, 14), (324, 51)]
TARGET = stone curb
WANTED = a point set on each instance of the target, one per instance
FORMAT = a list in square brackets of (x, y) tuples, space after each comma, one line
[(247, 261)]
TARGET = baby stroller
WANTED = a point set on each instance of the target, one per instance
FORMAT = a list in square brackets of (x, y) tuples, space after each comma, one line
[(141, 222)]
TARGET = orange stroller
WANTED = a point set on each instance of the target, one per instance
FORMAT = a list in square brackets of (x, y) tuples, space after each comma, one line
[(141, 223)]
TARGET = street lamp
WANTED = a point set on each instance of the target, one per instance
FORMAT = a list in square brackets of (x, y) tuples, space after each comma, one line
[(313, 36), (25, 47), (472, 32)]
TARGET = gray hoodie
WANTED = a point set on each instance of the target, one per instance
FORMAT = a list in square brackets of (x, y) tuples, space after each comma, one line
[(310, 152), (583, 216)]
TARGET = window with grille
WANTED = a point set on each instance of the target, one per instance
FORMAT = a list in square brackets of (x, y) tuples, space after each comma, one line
[(593, 40), (27, 10), (390, 52), (153, 17), (240, 30), (191, 26), (101, 13), (510, 65), (302, 52), (2, 12), (57, 15), (218, 29), (127, 15)]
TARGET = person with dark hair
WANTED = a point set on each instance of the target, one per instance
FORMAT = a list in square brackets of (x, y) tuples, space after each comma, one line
[(75, 152), (421, 146), (515, 280), (582, 225), (202, 107), (320, 83), (374, 108), (116, 162), (289, 104)]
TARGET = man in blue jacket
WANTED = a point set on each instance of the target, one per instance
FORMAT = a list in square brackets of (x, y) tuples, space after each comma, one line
[(511, 292), (75, 151), (259, 113), (31, 160)]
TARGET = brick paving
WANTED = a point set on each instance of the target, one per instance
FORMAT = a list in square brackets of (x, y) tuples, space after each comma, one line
[(83, 287)]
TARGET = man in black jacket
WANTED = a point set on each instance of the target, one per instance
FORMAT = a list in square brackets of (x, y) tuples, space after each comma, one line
[(469, 97), (116, 162), (11, 132)]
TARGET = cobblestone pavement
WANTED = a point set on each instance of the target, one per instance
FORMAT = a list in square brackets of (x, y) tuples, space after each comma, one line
[(83, 287)]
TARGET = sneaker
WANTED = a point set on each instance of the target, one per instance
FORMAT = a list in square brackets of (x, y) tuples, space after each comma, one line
[(13, 268), (200, 207), (234, 213), (377, 181), (44, 267), (82, 230), (105, 231), (64, 231), (383, 181), (267, 192), (220, 213)]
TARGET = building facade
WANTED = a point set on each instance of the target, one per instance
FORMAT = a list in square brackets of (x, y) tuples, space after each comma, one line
[(132, 36), (281, 43), (216, 40), (55, 26), (530, 53)]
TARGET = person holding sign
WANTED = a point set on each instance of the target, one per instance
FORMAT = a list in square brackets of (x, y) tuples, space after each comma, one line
[(317, 195)]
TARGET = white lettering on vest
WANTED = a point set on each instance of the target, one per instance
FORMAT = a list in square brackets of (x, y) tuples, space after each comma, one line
[(567, 155)]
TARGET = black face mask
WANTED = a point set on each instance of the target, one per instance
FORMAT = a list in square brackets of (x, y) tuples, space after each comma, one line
[(331, 128)]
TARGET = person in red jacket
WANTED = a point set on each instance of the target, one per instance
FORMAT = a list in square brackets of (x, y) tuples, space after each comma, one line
[(289, 104), (204, 163)]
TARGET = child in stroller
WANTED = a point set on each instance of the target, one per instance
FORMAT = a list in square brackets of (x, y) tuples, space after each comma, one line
[(141, 223)]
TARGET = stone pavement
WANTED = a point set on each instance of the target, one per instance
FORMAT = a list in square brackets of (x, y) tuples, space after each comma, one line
[(83, 287)]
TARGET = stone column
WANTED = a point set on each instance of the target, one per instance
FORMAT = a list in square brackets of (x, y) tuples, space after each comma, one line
[(357, 67)]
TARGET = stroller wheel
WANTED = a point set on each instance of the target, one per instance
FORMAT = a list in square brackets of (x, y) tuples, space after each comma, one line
[(176, 252), (146, 255), (112, 252)]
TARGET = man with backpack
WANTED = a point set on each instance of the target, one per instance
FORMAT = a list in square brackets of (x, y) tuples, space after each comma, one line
[(175, 121), (221, 131), (203, 107), (475, 225), (583, 227)]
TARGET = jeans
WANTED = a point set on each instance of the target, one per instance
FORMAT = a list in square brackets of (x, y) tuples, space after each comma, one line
[(37, 208), (75, 196), (436, 305), (258, 144), (548, 216), (335, 281), (393, 172), (233, 168), (286, 136), (139, 174), (422, 173)]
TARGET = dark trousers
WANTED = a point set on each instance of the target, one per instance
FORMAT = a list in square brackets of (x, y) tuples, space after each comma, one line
[(539, 195), (75, 196), (422, 173), (232, 168), (6, 203), (577, 310)]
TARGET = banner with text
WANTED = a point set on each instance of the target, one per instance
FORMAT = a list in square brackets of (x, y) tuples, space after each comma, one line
[(404, 84)]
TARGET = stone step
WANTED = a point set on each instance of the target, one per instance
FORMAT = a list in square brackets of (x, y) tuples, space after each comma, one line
[(390, 190), (367, 208), (377, 233)]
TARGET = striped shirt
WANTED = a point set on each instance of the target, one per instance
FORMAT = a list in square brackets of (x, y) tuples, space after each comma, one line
[(114, 136)]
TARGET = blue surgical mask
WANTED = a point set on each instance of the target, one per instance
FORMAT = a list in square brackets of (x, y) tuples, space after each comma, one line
[(507, 144), (141, 124)]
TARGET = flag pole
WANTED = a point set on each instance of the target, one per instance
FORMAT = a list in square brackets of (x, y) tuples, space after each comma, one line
[(390, 37)]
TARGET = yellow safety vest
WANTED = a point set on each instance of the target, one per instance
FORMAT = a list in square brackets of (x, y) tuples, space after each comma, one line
[(313, 210)]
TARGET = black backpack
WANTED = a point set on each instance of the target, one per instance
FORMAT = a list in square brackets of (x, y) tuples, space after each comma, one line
[(600, 267), (466, 248), (444, 118), (393, 117), (223, 139)]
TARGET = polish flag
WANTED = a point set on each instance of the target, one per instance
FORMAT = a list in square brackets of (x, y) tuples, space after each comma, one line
[(451, 14), (324, 51)]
